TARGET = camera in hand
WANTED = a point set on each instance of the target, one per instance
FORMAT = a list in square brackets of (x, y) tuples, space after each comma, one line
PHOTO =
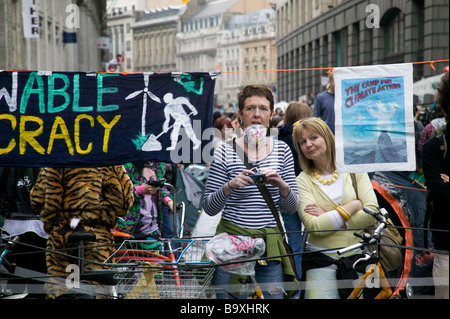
[(158, 183), (258, 178)]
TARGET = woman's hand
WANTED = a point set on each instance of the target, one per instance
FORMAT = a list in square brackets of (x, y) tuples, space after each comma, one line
[(274, 179), (241, 180), (149, 189), (170, 205), (353, 206), (314, 210)]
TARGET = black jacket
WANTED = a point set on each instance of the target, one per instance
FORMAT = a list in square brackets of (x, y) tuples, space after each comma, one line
[(433, 164), (15, 186), (285, 135)]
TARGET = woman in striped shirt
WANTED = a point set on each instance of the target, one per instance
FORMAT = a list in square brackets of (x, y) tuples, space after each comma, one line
[(244, 211)]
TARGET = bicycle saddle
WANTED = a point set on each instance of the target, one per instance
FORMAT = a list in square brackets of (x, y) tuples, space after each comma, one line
[(81, 235)]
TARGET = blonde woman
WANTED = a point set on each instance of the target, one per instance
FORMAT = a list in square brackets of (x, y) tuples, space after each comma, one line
[(328, 204)]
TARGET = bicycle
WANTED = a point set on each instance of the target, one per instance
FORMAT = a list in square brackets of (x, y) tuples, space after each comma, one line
[(5, 249), (374, 272), (164, 273), (121, 276)]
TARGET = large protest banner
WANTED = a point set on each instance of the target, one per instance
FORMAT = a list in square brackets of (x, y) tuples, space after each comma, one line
[(374, 118), (75, 119)]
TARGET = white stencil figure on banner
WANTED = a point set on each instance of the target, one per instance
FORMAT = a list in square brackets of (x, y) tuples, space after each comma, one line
[(385, 151), (174, 108), (146, 92)]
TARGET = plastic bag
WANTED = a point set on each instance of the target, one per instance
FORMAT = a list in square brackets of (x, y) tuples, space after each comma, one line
[(225, 248)]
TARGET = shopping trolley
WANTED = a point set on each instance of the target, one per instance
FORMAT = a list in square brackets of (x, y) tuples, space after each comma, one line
[(175, 269)]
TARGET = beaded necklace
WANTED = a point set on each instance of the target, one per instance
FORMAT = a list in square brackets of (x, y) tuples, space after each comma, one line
[(326, 181)]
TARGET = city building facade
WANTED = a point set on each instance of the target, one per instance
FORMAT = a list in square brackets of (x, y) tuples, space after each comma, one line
[(199, 36), (154, 38), (122, 17), (358, 32), (220, 34), (63, 35), (247, 50)]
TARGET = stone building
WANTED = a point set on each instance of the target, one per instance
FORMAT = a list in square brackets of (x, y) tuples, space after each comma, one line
[(208, 37), (65, 37), (154, 36), (122, 16), (247, 44), (347, 33)]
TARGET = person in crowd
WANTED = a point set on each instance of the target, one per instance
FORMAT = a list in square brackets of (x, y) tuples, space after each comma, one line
[(79, 199), (294, 112), (236, 125), (435, 123), (324, 104), (328, 205), (21, 220), (436, 170), (146, 217), (279, 112), (276, 122), (232, 191), (216, 115), (223, 131), (164, 198), (418, 128)]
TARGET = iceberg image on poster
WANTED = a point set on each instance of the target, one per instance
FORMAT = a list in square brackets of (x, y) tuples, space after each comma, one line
[(374, 125), (374, 120)]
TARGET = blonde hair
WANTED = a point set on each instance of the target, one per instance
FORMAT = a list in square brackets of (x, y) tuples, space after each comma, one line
[(330, 80), (317, 126)]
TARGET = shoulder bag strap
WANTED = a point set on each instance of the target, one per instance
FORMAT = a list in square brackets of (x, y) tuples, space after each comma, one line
[(269, 200), (262, 188), (353, 176)]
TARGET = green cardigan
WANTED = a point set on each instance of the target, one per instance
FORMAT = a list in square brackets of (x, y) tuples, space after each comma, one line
[(275, 250), (310, 192)]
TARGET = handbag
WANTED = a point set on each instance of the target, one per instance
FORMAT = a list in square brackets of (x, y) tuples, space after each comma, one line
[(268, 198), (390, 257)]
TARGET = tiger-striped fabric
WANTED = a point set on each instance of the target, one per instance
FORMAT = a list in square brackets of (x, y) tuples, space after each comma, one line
[(97, 196)]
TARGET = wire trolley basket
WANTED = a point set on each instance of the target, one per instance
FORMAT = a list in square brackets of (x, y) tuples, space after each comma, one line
[(164, 269)]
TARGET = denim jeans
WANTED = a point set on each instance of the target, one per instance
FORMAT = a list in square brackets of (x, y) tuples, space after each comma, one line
[(293, 226), (167, 223), (269, 277)]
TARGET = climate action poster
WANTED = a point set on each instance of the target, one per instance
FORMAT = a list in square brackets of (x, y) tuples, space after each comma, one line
[(70, 119), (374, 118)]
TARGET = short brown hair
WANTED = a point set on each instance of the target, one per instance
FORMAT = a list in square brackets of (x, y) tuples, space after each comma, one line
[(255, 90), (296, 111), (221, 122)]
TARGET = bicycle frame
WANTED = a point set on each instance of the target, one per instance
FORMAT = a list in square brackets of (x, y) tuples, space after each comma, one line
[(8, 247), (173, 191), (386, 291)]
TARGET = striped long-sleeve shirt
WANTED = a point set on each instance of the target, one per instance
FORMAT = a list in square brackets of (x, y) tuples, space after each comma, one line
[(245, 206)]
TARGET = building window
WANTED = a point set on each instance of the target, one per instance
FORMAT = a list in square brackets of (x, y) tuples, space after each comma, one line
[(393, 23)]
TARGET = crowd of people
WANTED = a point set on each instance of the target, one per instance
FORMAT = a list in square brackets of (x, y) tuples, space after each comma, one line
[(297, 158)]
